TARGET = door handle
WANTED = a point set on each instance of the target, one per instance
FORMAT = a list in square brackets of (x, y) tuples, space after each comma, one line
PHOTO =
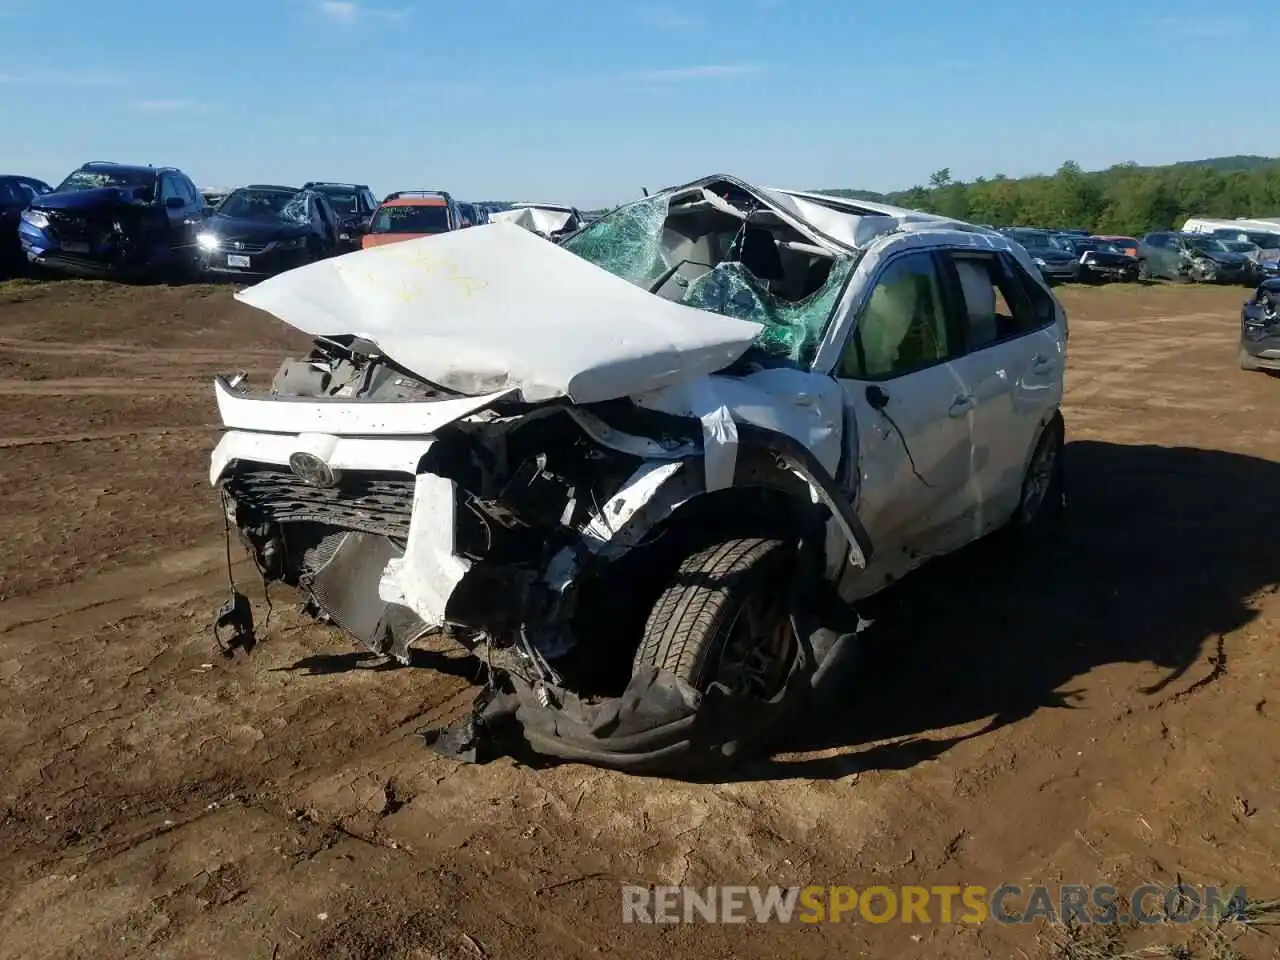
[(1041, 363), (961, 405)]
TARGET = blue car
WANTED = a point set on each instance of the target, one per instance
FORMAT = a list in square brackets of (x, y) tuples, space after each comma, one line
[(113, 219), (16, 194)]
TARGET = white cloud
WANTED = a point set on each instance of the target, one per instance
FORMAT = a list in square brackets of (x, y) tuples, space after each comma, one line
[(667, 18), (710, 71), (164, 106), (348, 11), (340, 11)]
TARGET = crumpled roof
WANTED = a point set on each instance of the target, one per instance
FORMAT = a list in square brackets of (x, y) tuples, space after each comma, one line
[(545, 219)]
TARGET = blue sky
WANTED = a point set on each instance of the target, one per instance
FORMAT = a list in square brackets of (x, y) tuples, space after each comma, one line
[(587, 102)]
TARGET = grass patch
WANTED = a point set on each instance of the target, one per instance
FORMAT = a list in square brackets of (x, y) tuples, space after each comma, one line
[(1215, 940)]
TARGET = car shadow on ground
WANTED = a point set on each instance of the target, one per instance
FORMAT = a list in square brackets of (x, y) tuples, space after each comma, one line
[(1158, 557), (327, 664)]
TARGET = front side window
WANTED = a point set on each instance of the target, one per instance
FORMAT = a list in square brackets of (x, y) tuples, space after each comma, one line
[(169, 189), (903, 324), (343, 200)]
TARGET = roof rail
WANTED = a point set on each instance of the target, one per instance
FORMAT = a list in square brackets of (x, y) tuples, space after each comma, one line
[(448, 198)]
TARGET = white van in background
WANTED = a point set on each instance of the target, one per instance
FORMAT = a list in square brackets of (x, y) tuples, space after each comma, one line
[(1239, 225)]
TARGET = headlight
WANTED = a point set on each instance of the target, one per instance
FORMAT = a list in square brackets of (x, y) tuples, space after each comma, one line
[(1038, 262), (207, 241), (344, 236), (36, 218)]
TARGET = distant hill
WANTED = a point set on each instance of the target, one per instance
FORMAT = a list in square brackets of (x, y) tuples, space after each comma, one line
[(1233, 164)]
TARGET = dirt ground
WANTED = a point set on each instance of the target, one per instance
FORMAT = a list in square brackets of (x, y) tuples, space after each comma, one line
[(1100, 712)]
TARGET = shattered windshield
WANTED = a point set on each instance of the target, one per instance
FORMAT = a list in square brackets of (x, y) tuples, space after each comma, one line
[(96, 179), (728, 254), (256, 204), (1206, 244)]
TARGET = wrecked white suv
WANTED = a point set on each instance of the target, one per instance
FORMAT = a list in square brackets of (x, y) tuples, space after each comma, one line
[(644, 473)]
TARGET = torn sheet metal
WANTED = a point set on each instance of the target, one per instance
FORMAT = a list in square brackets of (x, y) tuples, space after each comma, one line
[(805, 406), (719, 434), (426, 575), (496, 307)]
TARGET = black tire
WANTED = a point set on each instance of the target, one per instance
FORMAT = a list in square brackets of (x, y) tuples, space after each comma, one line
[(689, 628), (1144, 272), (1041, 507)]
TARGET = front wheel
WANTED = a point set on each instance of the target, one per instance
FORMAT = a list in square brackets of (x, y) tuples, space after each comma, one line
[(725, 620)]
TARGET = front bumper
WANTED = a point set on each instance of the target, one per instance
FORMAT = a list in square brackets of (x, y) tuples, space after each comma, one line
[(1110, 271), (1262, 343), (1061, 271), (253, 265), (88, 258)]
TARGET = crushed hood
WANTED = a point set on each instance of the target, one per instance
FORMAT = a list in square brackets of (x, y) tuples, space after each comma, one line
[(496, 307)]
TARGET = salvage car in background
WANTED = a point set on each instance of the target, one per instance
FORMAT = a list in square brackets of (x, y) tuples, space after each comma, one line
[(116, 219), (410, 214), (16, 194), (1101, 260), (1260, 328), (643, 473), (261, 230), (354, 203), (1263, 248), (549, 220), (1051, 253), (1126, 245), (1196, 257)]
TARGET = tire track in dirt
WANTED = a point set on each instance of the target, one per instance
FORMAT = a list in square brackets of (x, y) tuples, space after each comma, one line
[(90, 436), (100, 386), (168, 354)]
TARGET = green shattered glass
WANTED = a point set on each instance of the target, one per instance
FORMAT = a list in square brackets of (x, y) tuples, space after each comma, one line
[(627, 242), (791, 330)]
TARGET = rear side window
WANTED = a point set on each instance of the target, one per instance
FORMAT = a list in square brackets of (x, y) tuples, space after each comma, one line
[(996, 303)]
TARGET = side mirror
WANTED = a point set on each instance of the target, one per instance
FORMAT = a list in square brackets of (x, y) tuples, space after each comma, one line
[(174, 203)]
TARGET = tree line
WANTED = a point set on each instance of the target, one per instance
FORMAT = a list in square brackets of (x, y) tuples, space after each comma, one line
[(1125, 199)]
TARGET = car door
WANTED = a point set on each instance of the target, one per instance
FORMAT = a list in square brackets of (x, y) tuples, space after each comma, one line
[(910, 410), (173, 208), (1170, 255), (1010, 365), (327, 226), (193, 219)]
